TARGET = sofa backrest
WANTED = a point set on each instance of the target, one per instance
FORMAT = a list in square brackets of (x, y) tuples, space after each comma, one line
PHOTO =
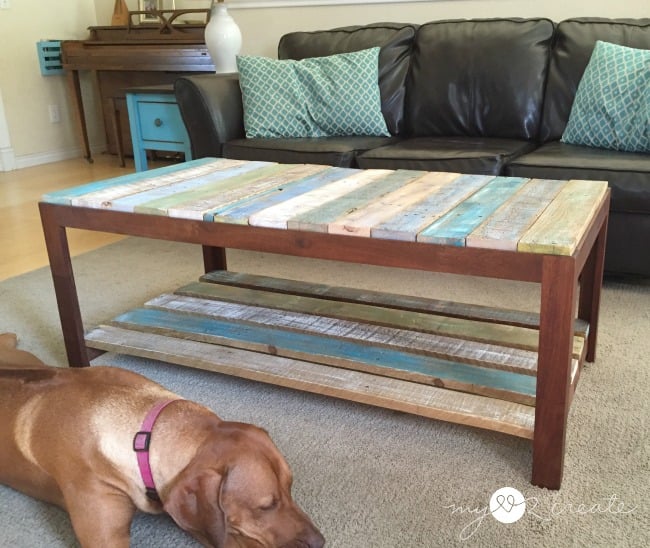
[(481, 78), (574, 43), (396, 42)]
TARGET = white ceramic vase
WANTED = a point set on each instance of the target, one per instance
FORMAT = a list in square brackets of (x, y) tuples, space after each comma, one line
[(223, 38)]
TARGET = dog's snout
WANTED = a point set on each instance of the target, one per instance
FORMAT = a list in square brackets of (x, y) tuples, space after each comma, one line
[(309, 538), (314, 538)]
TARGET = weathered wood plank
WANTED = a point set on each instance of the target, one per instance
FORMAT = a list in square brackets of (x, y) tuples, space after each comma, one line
[(337, 352), (128, 203), (361, 221), (239, 212), (564, 222), (428, 401), (178, 200), (379, 298), (446, 348), (319, 218), (505, 335), (505, 227), (65, 196), (104, 198), (278, 215), (441, 200), (204, 207), (453, 227)]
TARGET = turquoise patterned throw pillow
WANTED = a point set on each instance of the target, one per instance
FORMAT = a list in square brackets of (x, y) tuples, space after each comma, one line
[(612, 105), (314, 97)]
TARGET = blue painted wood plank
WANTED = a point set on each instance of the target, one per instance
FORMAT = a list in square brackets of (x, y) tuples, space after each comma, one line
[(240, 212), (273, 339), (65, 195), (407, 224), (453, 227), (128, 203)]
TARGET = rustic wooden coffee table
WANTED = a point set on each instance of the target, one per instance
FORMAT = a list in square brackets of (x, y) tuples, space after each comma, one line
[(504, 370)]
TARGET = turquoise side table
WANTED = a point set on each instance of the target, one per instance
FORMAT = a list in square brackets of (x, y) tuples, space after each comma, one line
[(156, 123)]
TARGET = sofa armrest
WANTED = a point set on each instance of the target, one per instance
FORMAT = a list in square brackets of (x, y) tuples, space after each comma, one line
[(211, 108)]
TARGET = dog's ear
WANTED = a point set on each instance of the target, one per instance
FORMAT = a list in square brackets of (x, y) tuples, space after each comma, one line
[(193, 502)]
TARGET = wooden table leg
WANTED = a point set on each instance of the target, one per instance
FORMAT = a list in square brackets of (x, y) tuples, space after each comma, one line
[(214, 258), (74, 87), (117, 130), (56, 241), (590, 287), (553, 398)]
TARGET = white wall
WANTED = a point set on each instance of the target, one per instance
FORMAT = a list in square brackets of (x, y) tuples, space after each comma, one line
[(30, 138), (24, 92)]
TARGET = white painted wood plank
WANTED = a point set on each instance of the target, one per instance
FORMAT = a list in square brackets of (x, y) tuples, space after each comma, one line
[(278, 215), (361, 221)]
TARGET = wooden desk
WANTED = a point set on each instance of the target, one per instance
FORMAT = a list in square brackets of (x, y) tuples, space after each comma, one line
[(492, 368), (124, 57)]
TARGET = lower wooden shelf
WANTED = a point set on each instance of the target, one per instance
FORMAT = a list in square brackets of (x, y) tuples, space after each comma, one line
[(461, 363)]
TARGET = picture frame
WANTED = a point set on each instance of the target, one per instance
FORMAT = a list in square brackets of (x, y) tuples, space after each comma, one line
[(149, 6)]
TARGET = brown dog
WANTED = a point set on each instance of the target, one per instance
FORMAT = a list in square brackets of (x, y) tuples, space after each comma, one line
[(68, 436)]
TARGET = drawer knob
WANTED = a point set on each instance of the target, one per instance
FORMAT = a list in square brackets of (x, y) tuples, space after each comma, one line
[(157, 122)]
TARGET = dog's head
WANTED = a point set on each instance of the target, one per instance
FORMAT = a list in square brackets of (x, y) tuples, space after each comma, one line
[(236, 492)]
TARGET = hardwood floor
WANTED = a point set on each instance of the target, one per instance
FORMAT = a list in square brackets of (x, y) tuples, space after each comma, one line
[(21, 236)]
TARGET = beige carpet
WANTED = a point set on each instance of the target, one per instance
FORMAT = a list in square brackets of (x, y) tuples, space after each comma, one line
[(371, 477)]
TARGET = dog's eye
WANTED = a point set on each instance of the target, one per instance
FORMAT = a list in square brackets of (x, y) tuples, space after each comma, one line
[(271, 505)]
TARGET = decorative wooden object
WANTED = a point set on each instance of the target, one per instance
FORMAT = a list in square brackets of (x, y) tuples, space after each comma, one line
[(511, 371), (120, 13)]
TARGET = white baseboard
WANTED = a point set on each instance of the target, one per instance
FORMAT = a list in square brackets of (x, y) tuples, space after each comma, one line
[(9, 162), (7, 159)]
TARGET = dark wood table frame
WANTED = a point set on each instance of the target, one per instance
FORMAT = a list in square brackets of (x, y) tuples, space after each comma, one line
[(565, 281)]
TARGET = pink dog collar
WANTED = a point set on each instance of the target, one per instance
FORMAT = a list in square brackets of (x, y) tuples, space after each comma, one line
[(141, 443)]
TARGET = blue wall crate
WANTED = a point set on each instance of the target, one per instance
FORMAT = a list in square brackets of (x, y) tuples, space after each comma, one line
[(49, 57)]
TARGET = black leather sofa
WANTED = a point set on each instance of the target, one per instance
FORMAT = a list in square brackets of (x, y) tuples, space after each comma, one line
[(489, 96)]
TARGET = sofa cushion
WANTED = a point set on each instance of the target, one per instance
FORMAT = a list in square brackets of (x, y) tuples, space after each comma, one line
[(627, 172), (290, 98), (480, 78), (612, 105), (395, 41), (574, 42), (478, 155), (334, 151)]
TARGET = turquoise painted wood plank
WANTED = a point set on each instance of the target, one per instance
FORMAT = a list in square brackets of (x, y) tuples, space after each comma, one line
[(506, 226), (128, 203), (176, 201), (65, 195), (239, 212), (278, 215), (414, 342), (410, 222), (274, 341), (319, 218), (453, 227)]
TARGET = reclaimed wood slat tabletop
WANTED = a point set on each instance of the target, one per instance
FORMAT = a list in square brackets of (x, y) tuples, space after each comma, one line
[(510, 213)]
